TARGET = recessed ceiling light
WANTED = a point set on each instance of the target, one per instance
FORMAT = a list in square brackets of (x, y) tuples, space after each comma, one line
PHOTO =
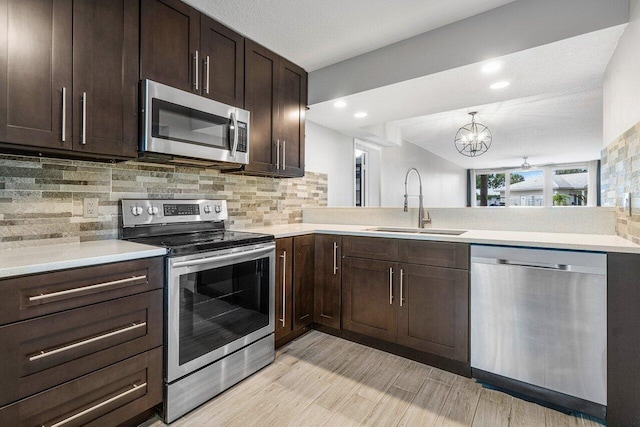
[(360, 115), (491, 67), (500, 85), (340, 104)]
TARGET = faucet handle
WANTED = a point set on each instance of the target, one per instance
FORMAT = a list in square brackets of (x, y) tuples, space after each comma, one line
[(427, 220)]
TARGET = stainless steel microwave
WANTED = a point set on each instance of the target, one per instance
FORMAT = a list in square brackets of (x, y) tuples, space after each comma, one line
[(183, 127)]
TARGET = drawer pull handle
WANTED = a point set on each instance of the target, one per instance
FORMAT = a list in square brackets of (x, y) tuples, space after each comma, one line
[(46, 353), (86, 288), (98, 406)]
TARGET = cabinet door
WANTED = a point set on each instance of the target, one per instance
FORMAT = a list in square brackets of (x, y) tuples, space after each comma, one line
[(169, 43), (292, 104), (368, 295), (105, 76), (35, 73), (284, 282), (434, 310), (327, 281), (222, 61), (260, 98), (303, 273)]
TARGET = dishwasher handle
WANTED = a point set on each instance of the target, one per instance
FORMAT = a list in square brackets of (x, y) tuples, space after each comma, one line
[(533, 264), (536, 264)]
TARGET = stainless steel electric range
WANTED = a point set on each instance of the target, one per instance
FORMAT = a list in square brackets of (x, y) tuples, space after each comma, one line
[(219, 301)]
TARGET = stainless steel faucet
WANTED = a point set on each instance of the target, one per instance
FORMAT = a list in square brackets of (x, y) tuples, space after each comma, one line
[(421, 219)]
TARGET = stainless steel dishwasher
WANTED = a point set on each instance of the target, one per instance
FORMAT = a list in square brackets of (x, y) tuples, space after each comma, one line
[(540, 317)]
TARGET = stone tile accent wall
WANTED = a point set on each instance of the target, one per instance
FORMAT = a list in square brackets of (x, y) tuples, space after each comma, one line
[(620, 175), (41, 199)]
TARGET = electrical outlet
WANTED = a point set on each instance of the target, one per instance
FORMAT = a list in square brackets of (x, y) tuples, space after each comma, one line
[(90, 207), (280, 205)]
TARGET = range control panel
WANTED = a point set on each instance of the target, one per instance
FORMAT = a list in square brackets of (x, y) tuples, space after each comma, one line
[(163, 211)]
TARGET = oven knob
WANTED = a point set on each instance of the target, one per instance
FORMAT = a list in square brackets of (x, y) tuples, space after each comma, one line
[(136, 210), (207, 209), (218, 208), (153, 210)]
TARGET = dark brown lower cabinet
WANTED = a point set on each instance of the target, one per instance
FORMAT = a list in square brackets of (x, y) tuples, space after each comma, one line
[(284, 289), (303, 263), (82, 346), (327, 281), (294, 287), (368, 305), (107, 397), (433, 313), (623, 339), (46, 351), (423, 307)]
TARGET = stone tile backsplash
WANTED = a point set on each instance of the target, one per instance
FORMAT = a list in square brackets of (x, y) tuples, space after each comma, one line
[(621, 175), (41, 199)]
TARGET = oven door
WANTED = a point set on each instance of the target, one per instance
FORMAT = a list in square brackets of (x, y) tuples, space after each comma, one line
[(217, 303)]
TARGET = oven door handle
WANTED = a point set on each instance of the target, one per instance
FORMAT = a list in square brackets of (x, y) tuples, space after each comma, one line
[(214, 258)]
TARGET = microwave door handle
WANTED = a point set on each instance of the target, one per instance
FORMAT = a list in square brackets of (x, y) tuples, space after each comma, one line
[(234, 148)]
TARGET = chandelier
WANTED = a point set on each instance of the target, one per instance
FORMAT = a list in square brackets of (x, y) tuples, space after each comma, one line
[(473, 139)]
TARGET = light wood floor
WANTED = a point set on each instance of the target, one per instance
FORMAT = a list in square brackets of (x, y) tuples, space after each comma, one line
[(321, 380)]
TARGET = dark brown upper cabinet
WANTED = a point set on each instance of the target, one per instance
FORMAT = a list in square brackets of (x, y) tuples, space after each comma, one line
[(170, 43), (276, 96), (185, 49), (69, 72), (35, 73), (222, 63), (105, 77)]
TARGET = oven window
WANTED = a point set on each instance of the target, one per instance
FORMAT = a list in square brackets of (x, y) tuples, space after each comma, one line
[(221, 305), (179, 123)]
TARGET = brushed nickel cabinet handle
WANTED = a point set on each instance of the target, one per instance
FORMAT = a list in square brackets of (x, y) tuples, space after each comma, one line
[(284, 285), (64, 114), (207, 72), (98, 406), (401, 277), (195, 70), (83, 101), (335, 258), (86, 288), (47, 353), (390, 286), (284, 154), (278, 154)]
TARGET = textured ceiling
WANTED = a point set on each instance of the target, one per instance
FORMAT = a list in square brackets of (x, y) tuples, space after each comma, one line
[(318, 33)]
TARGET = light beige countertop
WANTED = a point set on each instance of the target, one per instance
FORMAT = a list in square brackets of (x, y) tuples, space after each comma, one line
[(38, 259), (575, 241)]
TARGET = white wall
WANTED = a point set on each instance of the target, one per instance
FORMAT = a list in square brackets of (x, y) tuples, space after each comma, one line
[(622, 81), (444, 184), (330, 152)]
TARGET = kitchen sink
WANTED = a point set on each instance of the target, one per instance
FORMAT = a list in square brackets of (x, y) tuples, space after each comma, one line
[(418, 230)]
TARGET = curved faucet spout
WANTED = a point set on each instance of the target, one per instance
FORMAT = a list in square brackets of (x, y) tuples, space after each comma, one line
[(421, 219)]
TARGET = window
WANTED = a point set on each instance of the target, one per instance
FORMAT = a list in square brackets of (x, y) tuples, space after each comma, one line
[(554, 185)]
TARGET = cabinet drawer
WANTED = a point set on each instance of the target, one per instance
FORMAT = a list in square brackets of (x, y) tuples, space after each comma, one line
[(370, 247), (437, 254), (47, 351), (40, 294), (107, 397)]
